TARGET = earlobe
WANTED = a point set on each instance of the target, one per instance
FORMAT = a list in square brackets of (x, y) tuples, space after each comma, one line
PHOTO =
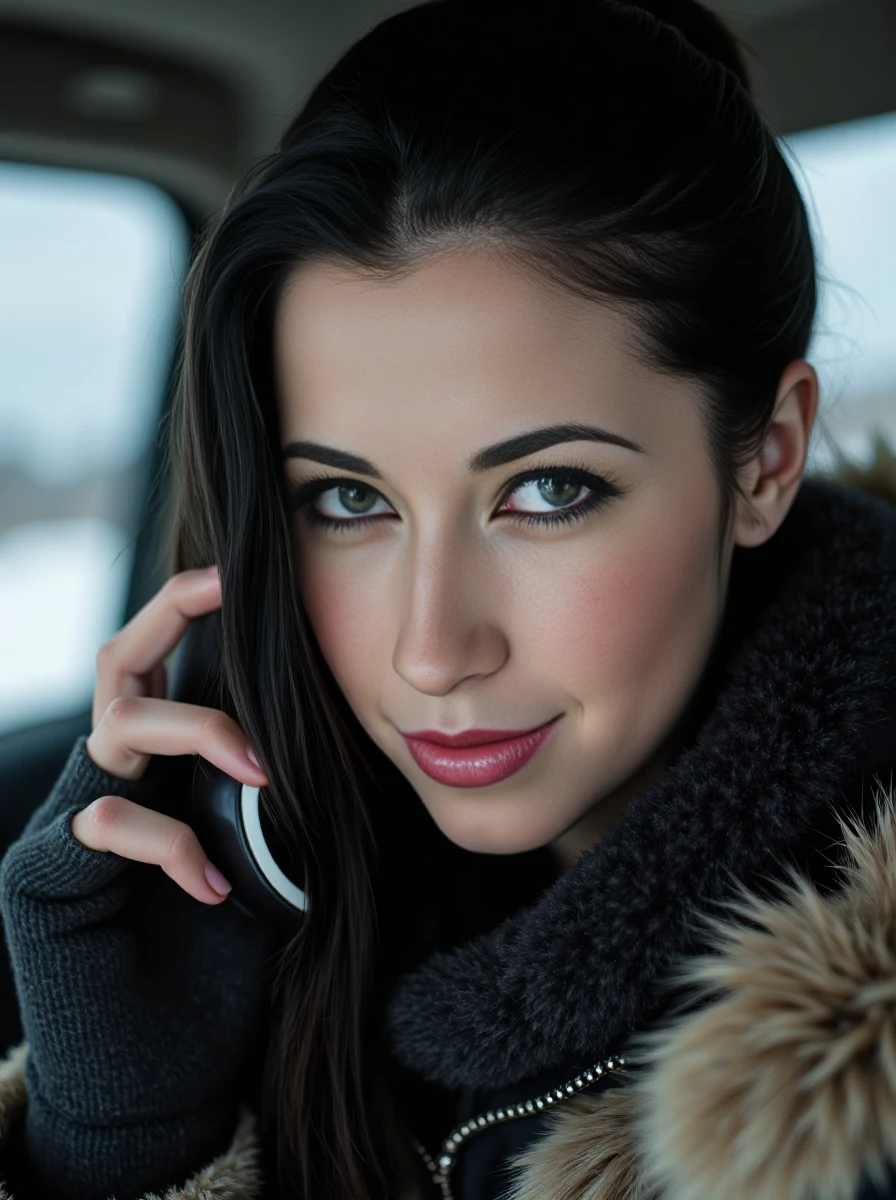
[(773, 478)]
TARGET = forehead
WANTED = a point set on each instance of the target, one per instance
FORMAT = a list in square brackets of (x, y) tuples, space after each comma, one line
[(464, 346), (332, 320)]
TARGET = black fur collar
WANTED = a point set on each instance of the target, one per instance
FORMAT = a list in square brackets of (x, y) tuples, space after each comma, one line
[(810, 646)]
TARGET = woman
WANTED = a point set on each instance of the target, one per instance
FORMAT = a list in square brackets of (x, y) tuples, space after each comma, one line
[(494, 415)]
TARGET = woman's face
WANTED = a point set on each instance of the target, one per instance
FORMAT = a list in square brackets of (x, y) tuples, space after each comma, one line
[(441, 608)]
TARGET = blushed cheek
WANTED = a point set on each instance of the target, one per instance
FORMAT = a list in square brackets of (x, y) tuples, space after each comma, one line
[(339, 617), (639, 619)]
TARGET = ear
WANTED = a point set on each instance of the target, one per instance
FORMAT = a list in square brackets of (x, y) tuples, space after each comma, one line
[(771, 480)]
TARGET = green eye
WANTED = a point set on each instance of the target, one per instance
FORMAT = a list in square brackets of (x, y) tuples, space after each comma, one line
[(353, 498), (348, 495), (560, 490)]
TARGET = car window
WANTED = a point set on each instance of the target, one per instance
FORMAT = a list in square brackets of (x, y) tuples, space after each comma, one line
[(91, 270), (847, 174)]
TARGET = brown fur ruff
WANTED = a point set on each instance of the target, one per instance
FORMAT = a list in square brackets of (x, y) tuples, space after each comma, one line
[(782, 1086)]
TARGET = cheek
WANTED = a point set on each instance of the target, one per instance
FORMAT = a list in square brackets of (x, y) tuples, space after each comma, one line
[(640, 615), (343, 614)]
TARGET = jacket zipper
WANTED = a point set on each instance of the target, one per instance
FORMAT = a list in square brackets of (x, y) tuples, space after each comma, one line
[(440, 1170)]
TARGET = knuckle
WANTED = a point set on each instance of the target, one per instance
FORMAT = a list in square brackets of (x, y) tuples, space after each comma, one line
[(177, 582), (121, 709), (181, 842), (105, 813), (106, 653), (215, 724)]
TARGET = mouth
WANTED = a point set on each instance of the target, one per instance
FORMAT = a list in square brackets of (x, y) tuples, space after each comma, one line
[(476, 757)]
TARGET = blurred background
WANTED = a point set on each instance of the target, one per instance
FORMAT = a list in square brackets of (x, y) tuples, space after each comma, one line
[(123, 124)]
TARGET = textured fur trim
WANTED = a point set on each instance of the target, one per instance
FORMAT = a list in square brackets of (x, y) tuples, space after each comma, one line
[(234, 1175), (786, 1087), (782, 1084), (13, 1095), (589, 1153)]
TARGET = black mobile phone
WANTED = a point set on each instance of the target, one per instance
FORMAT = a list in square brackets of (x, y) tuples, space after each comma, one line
[(226, 814)]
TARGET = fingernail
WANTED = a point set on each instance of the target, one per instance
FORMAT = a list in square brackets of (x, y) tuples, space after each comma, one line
[(251, 754), (217, 880)]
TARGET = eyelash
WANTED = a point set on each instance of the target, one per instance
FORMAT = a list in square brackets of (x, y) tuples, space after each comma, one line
[(603, 488)]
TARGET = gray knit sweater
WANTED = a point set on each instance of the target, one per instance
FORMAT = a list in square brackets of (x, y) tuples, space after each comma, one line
[(144, 1010)]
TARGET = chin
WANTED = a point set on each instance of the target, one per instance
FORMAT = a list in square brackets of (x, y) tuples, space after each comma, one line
[(493, 836)]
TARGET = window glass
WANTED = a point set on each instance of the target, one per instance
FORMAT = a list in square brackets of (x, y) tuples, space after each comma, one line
[(91, 270), (847, 174)]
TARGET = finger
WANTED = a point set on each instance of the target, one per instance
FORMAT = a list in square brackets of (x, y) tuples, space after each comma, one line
[(159, 682), (133, 728), (127, 660), (114, 825)]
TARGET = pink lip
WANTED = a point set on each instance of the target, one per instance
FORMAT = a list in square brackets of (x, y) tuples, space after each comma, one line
[(469, 737), (461, 761)]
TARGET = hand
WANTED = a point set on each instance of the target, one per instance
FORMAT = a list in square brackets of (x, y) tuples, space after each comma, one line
[(133, 720), (143, 995)]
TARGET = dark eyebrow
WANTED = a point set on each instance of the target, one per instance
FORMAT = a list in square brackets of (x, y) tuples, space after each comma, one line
[(485, 460)]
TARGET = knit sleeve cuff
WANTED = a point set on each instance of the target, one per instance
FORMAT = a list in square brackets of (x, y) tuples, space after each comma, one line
[(47, 861), (71, 1161)]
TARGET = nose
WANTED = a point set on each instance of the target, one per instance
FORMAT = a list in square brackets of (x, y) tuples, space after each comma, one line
[(450, 618)]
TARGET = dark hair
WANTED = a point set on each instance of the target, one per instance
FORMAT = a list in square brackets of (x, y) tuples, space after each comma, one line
[(612, 147)]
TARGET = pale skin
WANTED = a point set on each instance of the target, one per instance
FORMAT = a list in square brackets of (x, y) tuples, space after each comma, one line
[(446, 615), (436, 612)]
